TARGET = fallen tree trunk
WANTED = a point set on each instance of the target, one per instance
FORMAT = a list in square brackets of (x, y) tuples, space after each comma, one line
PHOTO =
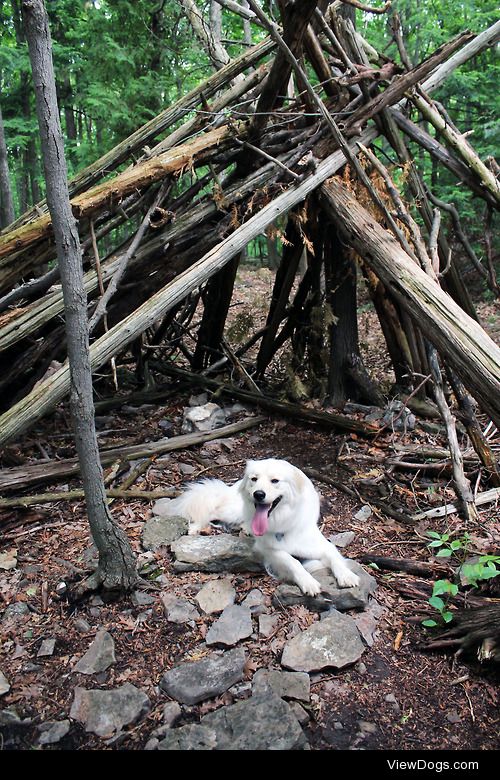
[(21, 477), (461, 340)]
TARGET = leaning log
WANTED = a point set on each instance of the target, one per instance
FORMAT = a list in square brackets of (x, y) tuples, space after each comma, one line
[(48, 393), (461, 340)]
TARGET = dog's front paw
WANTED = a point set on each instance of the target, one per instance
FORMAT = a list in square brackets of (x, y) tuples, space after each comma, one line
[(309, 586), (346, 578)]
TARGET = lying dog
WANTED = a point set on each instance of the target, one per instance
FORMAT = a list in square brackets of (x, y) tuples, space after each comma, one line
[(277, 504)]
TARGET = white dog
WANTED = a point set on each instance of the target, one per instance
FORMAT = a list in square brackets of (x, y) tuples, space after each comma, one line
[(279, 506)]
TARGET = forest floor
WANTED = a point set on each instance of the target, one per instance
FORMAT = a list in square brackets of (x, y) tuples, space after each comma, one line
[(399, 696)]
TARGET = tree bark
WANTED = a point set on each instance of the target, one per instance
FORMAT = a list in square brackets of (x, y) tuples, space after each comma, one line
[(6, 202), (116, 570), (462, 341)]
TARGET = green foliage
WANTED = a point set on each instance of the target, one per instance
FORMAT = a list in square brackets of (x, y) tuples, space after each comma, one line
[(445, 545), (441, 588), (484, 569)]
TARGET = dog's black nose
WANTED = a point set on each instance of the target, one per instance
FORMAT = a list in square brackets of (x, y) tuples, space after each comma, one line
[(259, 495)]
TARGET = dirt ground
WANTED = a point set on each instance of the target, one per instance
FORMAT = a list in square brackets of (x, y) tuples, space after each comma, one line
[(398, 697)]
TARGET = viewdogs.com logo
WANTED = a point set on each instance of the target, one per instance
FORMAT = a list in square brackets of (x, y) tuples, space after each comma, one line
[(433, 766)]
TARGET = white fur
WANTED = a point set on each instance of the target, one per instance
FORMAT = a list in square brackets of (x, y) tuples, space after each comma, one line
[(292, 531)]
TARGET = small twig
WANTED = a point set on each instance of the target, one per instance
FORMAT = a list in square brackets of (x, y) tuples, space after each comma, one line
[(433, 241), (368, 8), (267, 156)]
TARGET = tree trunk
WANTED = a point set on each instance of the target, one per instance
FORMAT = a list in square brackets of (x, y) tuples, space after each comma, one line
[(116, 570), (465, 345), (6, 202)]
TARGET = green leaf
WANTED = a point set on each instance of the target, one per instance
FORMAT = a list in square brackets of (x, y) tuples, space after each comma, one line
[(433, 534), (447, 617), (446, 553), (441, 586), (429, 623), (456, 545), (435, 544), (436, 602)]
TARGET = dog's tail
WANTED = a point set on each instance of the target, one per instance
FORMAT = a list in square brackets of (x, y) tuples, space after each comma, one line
[(205, 501)]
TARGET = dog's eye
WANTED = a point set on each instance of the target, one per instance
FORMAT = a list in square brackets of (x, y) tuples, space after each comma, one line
[(253, 479), (275, 481)]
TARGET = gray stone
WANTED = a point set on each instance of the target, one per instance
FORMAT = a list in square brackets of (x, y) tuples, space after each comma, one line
[(47, 648), (255, 601), (268, 624), (194, 681), (367, 625), (214, 553), (81, 625), (333, 642), (106, 712), (299, 712), (160, 531), (343, 539), (364, 513), (171, 713), (263, 722), (288, 685), (100, 655), (8, 559), (15, 612), (203, 418), (398, 417), (234, 624), (192, 737), (331, 597), (141, 599), (216, 595), (178, 610), (366, 727), (4, 684), (198, 400), (52, 731), (187, 469)]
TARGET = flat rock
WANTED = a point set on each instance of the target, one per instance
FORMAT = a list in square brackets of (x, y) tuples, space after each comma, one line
[(8, 559), (287, 685), (52, 731), (203, 418), (268, 624), (106, 712), (100, 655), (331, 596), (15, 612), (234, 624), (215, 596), (47, 648), (223, 552), (171, 713), (263, 722), (343, 539), (255, 601), (160, 530), (178, 610), (4, 684), (194, 681), (332, 642)]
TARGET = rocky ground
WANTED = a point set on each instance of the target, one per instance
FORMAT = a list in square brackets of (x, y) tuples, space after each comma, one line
[(211, 653)]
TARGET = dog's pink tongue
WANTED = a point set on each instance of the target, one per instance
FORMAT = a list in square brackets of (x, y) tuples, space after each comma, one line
[(260, 521)]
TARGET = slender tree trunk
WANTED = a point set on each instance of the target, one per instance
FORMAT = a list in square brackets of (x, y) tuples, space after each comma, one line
[(6, 202), (116, 570)]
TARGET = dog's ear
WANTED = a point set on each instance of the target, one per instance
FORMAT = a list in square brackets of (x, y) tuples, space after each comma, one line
[(298, 479)]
